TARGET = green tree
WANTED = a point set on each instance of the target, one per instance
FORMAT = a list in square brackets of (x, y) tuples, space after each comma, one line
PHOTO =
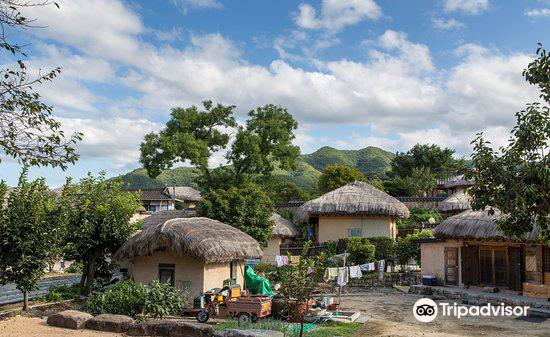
[(98, 223), (28, 132), (439, 161), (419, 183), (30, 228), (516, 178), (418, 216), (281, 190), (335, 176), (247, 208), (406, 248)]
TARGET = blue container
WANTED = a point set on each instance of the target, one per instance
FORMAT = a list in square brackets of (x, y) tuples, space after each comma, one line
[(429, 280)]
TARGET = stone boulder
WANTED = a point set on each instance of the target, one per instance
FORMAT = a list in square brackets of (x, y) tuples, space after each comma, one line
[(110, 323), (248, 333), (170, 329), (70, 319)]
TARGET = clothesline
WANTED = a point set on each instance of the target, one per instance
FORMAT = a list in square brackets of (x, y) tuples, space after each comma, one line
[(342, 274)]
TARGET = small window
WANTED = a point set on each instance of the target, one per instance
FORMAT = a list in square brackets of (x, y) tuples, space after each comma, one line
[(167, 273), (355, 232)]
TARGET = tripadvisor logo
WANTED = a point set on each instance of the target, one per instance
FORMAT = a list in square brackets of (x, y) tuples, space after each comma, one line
[(425, 310)]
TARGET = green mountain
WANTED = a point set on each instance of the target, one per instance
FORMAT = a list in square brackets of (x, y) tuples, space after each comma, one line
[(372, 161)]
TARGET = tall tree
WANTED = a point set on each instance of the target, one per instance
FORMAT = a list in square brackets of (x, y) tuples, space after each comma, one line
[(261, 145), (335, 176), (439, 161), (98, 223), (28, 131), (30, 228), (516, 178), (419, 183)]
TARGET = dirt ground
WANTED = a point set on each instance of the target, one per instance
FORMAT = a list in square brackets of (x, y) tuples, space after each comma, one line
[(390, 315), (389, 311)]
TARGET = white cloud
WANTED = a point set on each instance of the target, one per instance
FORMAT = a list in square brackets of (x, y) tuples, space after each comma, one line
[(185, 5), (337, 14), (116, 139), (467, 6), (537, 13), (447, 24)]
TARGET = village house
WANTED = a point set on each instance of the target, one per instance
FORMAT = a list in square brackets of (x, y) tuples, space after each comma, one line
[(164, 199), (458, 199), (283, 230), (469, 250), (193, 254), (354, 210)]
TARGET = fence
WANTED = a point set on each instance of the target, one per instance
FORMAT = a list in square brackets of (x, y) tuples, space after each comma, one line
[(9, 294), (371, 280)]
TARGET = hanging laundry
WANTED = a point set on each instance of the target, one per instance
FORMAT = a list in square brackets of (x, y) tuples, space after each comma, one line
[(381, 269), (355, 272), (281, 260), (343, 276), (330, 274), (284, 260)]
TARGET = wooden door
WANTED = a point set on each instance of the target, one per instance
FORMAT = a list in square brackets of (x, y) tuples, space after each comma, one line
[(514, 268), (470, 265), (451, 265), (501, 268), (486, 266)]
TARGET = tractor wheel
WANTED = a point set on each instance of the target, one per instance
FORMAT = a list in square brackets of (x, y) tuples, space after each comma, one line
[(202, 316), (244, 318)]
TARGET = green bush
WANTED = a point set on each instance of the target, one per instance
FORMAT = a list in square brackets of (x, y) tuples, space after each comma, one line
[(61, 293), (74, 268), (131, 299), (331, 248), (383, 247), (405, 248), (418, 216), (360, 250)]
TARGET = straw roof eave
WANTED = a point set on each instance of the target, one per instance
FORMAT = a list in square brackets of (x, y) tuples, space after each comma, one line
[(457, 202), (204, 239), (354, 199), (283, 228)]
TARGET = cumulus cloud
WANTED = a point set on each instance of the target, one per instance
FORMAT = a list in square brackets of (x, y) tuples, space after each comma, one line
[(447, 24), (467, 6), (396, 89), (537, 13), (185, 5), (337, 14)]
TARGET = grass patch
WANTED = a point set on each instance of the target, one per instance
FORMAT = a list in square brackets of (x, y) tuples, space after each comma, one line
[(328, 329)]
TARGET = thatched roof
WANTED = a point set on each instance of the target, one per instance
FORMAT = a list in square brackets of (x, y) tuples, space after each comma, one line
[(185, 193), (356, 198), (459, 181), (283, 227), (154, 193), (458, 202), (204, 239), (476, 225), (160, 217)]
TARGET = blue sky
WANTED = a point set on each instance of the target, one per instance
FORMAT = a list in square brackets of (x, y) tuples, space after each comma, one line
[(353, 73)]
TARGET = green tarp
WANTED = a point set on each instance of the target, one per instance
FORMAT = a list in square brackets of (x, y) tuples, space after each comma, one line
[(256, 284)]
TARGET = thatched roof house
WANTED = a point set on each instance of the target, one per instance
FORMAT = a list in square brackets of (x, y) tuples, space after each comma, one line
[(470, 249), (458, 202), (163, 216), (357, 200), (186, 193), (459, 181), (283, 227), (477, 225), (193, 253), (283, 230)]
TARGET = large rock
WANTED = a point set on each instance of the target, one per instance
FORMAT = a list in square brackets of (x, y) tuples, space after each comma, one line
[(70, 319), (248, 333), (170, 329), (111, 323)]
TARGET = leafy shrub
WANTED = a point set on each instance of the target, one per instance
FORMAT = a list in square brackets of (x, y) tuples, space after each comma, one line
[(405, 248), (418, 216), (74, 268), (383, 247), (128, 298), (360, 250), (268, 271), (331, 248), (61, 293)]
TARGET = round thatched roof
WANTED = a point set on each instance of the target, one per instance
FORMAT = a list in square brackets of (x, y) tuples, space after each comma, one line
[(204, 239), (474, 225), (458, 202), (160, 217), (283, 227), (356, 198), (459, 181)]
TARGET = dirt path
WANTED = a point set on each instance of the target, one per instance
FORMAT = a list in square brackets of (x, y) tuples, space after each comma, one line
[(390, 314), (21, 326)]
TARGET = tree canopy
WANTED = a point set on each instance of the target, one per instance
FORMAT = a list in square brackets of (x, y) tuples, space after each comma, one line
[(30, 230), (28, 131), (335, 176), (516, 178), (439, 161), (98, 223)]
